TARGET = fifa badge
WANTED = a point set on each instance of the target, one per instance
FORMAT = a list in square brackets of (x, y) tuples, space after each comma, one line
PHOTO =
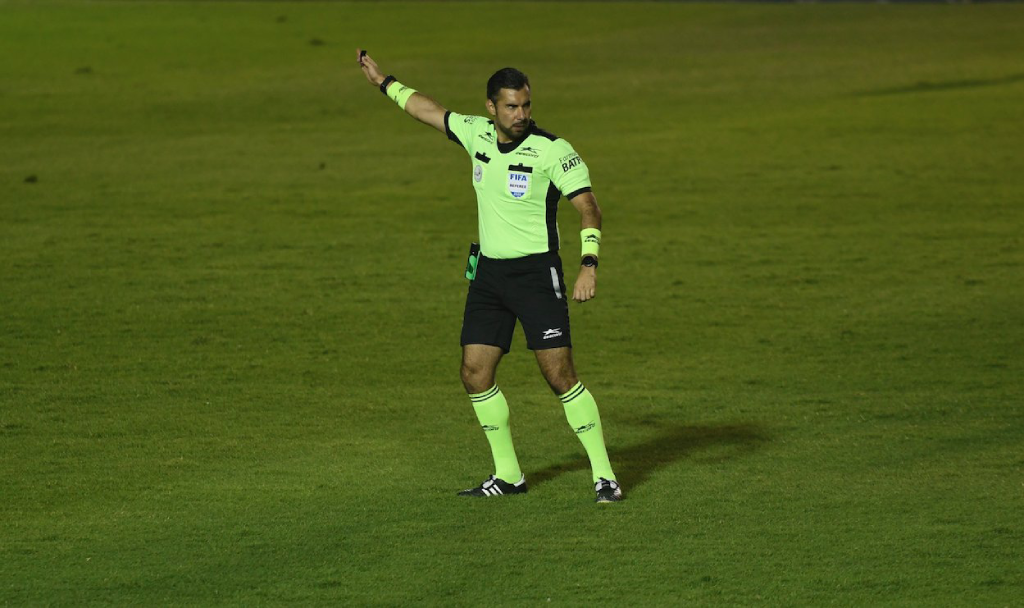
[(518, 183)]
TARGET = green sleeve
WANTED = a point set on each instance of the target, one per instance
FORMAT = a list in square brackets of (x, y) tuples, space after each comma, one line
[(461, 128), (566, 169)]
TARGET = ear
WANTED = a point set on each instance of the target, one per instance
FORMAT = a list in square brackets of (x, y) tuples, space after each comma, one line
[(491, 109)]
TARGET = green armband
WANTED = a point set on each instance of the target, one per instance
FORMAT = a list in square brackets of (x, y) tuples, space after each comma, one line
[(590, 238), (398, 92)]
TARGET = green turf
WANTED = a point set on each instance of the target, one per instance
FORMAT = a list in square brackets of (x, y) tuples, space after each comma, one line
[(230, 285)]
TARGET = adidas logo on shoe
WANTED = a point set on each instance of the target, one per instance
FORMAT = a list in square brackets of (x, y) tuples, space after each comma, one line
[(492, 486)]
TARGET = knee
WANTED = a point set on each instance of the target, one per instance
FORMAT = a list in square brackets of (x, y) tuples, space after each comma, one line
[(562, 380), (563, 385), (476, 379)]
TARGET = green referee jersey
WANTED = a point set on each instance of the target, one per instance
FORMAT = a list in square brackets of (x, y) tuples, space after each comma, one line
[(518, 184)]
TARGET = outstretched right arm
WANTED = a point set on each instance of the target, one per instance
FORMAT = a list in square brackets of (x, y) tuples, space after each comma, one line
[(419, 106)]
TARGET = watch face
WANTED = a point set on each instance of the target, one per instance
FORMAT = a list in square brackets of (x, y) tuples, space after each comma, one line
[(589, 261)]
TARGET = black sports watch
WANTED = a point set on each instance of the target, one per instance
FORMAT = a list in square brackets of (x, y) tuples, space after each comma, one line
[(589, 261)]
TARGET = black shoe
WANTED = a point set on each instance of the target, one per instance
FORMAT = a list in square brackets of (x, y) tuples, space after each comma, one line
[(493, 486), (608, 490)]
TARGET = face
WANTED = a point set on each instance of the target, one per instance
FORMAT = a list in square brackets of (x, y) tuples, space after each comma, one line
[(511, 112)]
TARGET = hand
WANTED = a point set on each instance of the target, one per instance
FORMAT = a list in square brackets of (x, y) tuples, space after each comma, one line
[(586, 284), (370, 69)]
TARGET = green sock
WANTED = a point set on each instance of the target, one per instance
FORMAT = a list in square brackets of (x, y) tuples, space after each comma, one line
[(492, 412), (581, 412)]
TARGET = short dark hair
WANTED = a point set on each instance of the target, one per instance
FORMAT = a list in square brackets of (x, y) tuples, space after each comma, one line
[(505, 78)]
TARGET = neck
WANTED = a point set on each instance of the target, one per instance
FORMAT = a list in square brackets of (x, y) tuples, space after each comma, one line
[(505, 138)]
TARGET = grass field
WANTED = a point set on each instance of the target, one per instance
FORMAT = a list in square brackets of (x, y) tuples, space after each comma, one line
[(231, 294)]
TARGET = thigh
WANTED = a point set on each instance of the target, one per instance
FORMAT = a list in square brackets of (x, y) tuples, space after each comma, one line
[(539, 301), (486, 319)]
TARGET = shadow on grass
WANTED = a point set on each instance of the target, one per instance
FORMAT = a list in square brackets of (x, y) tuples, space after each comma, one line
[(948, 85), (635, 464)]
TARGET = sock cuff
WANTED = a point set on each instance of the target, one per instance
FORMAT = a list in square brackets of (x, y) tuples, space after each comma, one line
[(484, 396), (574, 392)]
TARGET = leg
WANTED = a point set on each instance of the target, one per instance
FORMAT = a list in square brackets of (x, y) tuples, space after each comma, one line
[(580, 407), (487, 327), (557, 368), (479, 365)]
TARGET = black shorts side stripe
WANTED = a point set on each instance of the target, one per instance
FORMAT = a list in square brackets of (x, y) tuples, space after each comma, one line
[(555, 285)]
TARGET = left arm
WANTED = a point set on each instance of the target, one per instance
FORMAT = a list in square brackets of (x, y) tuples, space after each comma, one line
[(590, 217), (419, 106)]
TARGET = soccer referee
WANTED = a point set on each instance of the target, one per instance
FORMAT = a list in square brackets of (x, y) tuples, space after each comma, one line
[(520, 172)]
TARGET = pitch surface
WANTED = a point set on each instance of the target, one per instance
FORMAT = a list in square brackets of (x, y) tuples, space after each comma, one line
[(231, 297)]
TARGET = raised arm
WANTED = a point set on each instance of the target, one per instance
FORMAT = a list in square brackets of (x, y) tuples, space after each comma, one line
[(419, 106)]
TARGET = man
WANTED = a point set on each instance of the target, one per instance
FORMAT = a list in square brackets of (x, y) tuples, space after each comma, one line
[(519, 173)]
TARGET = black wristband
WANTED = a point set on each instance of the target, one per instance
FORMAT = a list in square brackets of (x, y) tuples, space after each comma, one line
[(384, 85), (589, 261)]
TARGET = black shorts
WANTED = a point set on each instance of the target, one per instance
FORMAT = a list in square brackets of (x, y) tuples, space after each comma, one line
[(531, 289)]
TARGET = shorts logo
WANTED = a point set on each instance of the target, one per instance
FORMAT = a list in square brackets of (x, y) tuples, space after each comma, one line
[(478, 173), (518, 184), (552, 333)]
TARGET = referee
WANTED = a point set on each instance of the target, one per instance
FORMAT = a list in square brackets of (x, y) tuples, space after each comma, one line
[(520, 172)]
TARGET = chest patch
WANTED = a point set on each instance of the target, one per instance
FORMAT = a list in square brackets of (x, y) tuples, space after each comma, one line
[(519, 180), (478, 173), (518, 183)]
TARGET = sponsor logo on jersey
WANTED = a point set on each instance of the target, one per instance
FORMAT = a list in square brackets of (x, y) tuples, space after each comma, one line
[(518, 183), (528, 151), (478, 173), (571, 162), (489, 427), (487, 136), (469, 119)]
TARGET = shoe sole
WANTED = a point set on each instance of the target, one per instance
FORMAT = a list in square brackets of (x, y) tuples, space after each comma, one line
[(486, 496), (491, 495)]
